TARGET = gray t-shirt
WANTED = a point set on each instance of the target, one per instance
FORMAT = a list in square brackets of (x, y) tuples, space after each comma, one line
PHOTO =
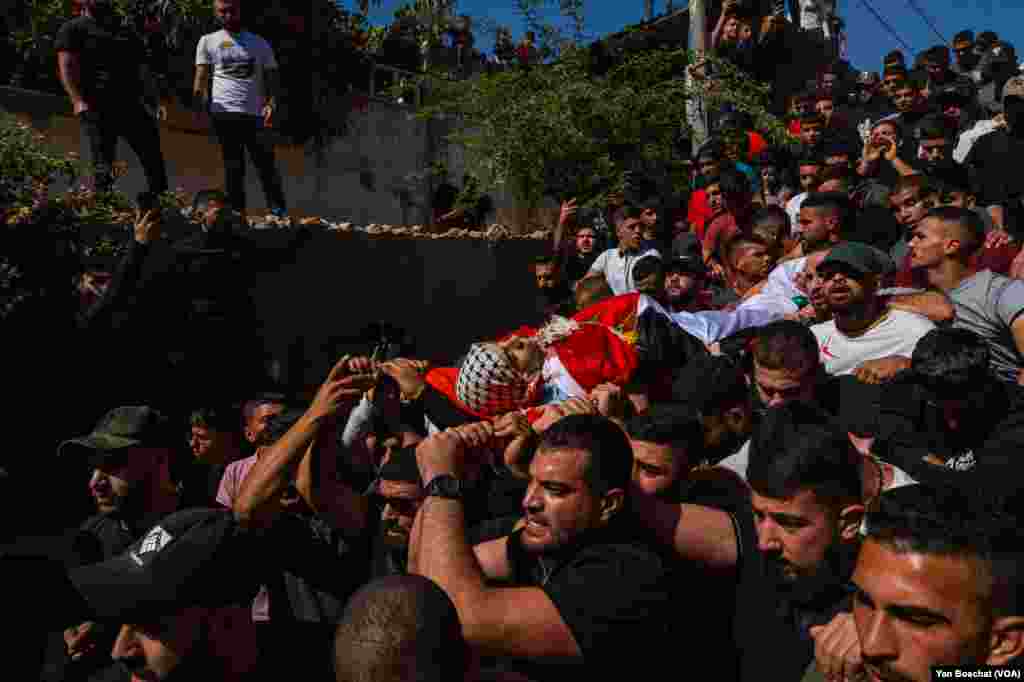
[(988, 304)]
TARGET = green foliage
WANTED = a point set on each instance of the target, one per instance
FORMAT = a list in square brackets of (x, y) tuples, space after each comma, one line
[(561, 131), (43, 241)]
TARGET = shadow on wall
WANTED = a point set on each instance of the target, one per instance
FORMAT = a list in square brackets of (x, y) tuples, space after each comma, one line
[(447, 293), (386, 143)]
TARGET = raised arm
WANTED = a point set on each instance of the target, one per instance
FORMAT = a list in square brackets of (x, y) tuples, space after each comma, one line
[(697, 533), (934, 305), (69, 69), (497, 621), (258, 502)]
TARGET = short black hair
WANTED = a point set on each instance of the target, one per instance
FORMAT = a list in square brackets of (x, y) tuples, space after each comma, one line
[(950, 362), (730, 247), (400, 628), (733, 182), (220, 418), (835, 202), (646, 266), (786, 344), (711, 384), (838, 148), (797, 447), (811, 117), (610, 464), (933, 128), (544, 259), (767, 214), (894, 56), (953, 522), (937, 54), (966, 36), (669, 424), (279, 424), (969, 225)]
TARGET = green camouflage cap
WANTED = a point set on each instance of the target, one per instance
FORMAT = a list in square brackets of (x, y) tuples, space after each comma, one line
[(123, 427)]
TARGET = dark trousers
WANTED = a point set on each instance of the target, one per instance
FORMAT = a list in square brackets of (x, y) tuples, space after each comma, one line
[(240, 132), (104, 125)]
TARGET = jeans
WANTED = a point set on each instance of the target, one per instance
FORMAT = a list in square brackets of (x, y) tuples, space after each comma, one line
[(103, 126), (238, 132)]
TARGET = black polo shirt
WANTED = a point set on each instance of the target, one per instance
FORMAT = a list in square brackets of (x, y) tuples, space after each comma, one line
[(771, 626), (109, 56), (614, 592)]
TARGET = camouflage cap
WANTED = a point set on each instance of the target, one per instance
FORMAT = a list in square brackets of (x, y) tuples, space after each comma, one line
[(121, 428)]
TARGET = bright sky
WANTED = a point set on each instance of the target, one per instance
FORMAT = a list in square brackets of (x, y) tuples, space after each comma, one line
[(869, 40)]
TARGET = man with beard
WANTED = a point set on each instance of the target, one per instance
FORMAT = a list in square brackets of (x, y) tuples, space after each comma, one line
[(864, 337), (130, 450), (824, 221), (554, 296), (400, 491), (684, 284), (790, 548), (937, 583), (581, 584)]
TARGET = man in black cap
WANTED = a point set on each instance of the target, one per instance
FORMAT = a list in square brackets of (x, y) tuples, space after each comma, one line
[(164, 593), (130, 454), (399, 489), (865, 337), (685, 278)]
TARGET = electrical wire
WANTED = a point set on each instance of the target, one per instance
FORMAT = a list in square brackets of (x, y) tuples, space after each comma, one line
[(886, 25), (917, 8)]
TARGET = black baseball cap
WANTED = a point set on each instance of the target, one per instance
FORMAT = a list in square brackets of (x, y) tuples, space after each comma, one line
[(691, 265), (194, 557), (121, 429), (861, 257)]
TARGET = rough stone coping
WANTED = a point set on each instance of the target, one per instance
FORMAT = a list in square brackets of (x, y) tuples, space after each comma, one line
[(495, 232)]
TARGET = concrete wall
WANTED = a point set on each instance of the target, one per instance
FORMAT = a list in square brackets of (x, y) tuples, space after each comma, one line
[(374, 174)]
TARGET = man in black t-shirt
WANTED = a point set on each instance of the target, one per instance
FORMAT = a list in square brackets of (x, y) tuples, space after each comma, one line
[(993, 163), (583, 585), (950, 419), (104, 70), (791, 548)]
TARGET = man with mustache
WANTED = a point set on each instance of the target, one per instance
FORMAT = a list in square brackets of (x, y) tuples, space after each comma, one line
[(864, 337), (790, 546), (937, 583), (400, 491), (580, 582)]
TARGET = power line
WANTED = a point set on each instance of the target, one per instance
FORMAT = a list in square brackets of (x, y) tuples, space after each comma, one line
[(886, 26), (917, 8)]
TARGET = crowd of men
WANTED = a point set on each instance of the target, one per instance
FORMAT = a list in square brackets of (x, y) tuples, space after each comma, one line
[(775, 430)]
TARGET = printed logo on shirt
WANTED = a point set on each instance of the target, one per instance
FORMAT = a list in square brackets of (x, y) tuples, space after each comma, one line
[(238, 68), (826, 352), (226, 44), (155, 540), (964, 462)]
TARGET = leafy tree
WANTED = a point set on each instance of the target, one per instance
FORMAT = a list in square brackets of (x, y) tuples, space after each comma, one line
[(577, 128)]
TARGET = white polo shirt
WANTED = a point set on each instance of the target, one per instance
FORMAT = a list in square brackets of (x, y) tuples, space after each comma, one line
[(617, 268)]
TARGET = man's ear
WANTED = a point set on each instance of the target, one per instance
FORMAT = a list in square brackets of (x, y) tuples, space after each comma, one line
[(850, 518), (1007, 640), (612, 503)]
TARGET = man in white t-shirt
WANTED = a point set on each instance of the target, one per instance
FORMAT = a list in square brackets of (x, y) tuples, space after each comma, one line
[(241, 103), (865, 337), (616, 265)]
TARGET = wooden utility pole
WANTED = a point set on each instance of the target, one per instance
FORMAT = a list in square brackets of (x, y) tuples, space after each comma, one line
[(696, 114)]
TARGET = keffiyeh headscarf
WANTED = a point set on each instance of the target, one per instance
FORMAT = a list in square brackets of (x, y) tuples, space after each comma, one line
[(488, 384)]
